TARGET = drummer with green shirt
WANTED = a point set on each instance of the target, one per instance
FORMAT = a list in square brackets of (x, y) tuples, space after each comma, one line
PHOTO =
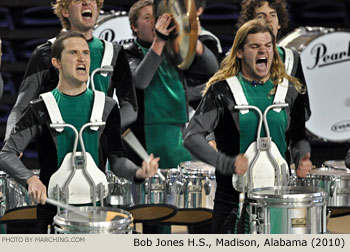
[(253, 63), (76, 105)]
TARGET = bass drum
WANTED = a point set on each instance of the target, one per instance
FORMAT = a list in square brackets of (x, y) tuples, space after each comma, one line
[(325, 58), (114, 26)]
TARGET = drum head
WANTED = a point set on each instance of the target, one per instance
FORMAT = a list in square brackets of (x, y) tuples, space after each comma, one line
[(288, 194), (197, 167), (330, 172), (335, 164), (99, 216), (325, 58)]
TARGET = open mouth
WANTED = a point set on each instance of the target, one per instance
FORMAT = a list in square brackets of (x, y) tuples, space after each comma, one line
[(262, 61), (81, 69), (87, 13)]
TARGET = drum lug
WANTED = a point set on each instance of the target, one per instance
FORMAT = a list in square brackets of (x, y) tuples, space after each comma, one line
[(180, 186), (332, 187), (169, 186), (207, 186), (146, 185)]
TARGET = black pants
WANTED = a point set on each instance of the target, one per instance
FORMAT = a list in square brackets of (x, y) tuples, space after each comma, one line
[(225, 218), (45, 214)]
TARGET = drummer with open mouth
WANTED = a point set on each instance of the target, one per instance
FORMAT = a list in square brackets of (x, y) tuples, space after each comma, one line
[(258, 74), (75, 103)]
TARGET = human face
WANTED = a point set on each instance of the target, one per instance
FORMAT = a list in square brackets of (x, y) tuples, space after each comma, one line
[(256, 56), (269, 15), (144, 27), (82, 15), (75, 62)]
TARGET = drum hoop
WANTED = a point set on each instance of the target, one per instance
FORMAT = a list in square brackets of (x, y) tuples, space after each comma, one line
[(108, 17), (94, 224), (256, 194)]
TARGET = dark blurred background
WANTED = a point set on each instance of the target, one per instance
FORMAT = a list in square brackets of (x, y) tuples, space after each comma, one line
[(26, 24)]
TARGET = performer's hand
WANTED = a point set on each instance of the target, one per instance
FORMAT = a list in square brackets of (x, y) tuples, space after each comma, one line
[(304, 167), (212, 143), (241, 164), (36, 189), (162, 25), (148, 168)]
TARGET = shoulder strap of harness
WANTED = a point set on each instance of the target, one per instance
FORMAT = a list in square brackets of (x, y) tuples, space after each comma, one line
[(288, 60), (240, 98), (52, 108), (55, 114), (237, 92), (98, 108), (107, 55)]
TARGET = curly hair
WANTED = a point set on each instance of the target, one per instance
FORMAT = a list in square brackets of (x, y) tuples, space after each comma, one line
[(60, 5), (231, 65), (248, 11)]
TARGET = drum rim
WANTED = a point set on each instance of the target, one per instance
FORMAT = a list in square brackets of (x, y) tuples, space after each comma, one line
[(191, 171), (342, 174), (61, 221), (110, 15), (317, 194)]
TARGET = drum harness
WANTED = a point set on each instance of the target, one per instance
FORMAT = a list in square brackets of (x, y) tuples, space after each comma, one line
[(266, 166), (78, 170)]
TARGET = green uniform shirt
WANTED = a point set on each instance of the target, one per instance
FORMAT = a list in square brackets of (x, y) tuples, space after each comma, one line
[(165, 112)]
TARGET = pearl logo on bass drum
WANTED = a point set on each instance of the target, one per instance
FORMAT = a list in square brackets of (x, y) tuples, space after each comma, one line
[(322, 58)]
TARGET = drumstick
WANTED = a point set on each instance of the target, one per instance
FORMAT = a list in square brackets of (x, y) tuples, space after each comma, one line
[(134, 143), (68, 207)]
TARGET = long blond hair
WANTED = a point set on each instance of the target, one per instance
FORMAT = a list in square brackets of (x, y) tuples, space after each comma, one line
[(231, 65)]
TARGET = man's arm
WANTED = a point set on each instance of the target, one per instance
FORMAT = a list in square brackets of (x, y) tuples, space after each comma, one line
[(39, 72), (120, 165), (125, 90)]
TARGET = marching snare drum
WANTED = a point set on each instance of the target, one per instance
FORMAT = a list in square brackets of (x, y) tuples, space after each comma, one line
[(114, 26), (325, 58), (199, 185), (288, 210), (119, 191), (336, 182), (336, 164), (104, 221)]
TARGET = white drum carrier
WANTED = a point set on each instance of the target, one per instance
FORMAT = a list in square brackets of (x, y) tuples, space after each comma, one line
[(266, 166), (325, 58), (78, 180), (114, 26)]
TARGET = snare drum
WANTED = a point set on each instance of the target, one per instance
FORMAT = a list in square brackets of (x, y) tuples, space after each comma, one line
[(114, 26), (199, 185), (336, 182), (288, 210), (325, 59), (119, 191), (104, 221), (335, 164)]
